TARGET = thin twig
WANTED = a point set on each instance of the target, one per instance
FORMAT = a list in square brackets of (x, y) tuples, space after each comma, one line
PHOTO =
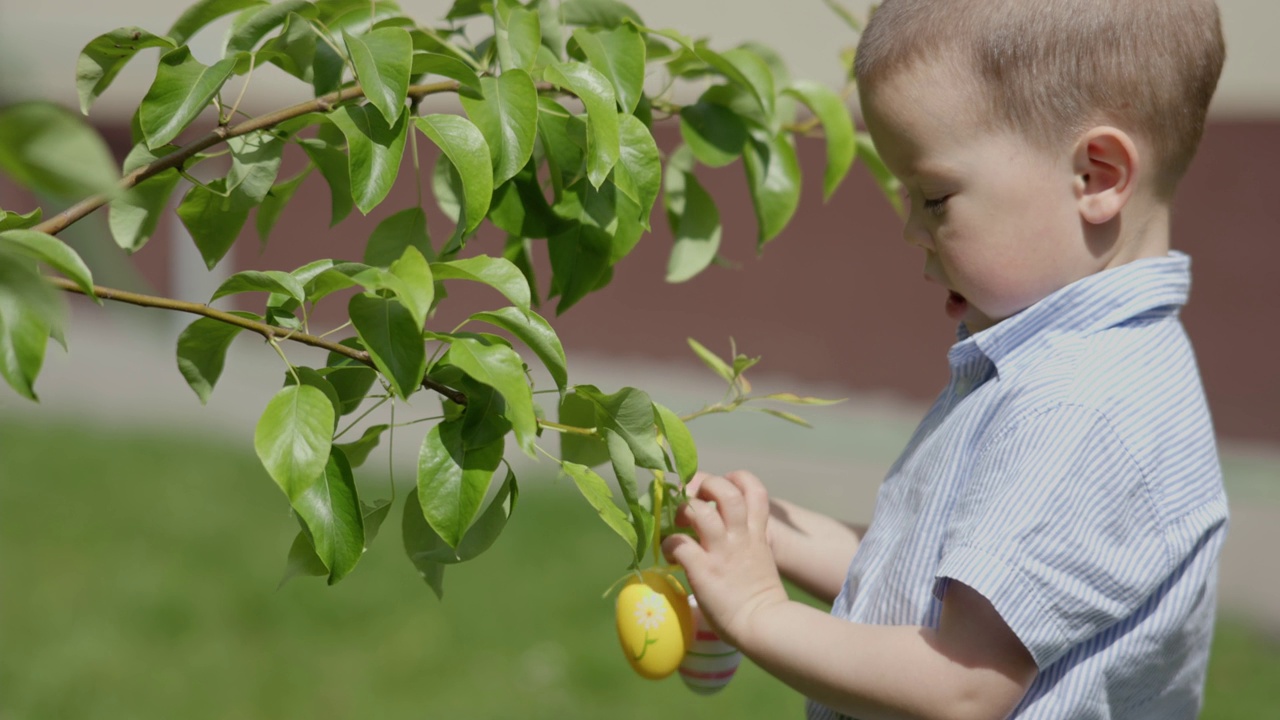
[(269, 332)]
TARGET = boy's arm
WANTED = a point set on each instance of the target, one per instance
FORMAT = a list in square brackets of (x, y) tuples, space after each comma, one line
[(971, 666), (812, 550)]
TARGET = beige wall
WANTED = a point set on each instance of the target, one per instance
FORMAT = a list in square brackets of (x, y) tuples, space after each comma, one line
[(804, 31)]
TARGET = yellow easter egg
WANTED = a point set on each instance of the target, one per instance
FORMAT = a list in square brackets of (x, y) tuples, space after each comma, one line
[(654, 623)]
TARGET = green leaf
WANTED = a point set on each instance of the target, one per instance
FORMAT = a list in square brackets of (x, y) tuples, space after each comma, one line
[(520, 252), (638, 173), (507, 116), (255, 162), (292, 438), (52, 252), (270, 281), (405, 229), (105, 56), (383, 59), (711, 360), (481, 536), (182, 89), (518, 35), (715, 133), (680, 440), (29, 310), (302, 560), (421, 544), (357, 452), (534, 331), (416, 289), (331, 509), (133, 216), (697, 229), (520, 208), (374, 515), (499, 367), (202, 352), (773, 175), (579, 260), (294, 49), (620, 55), (375, 148), (446, 185), (334, 166), (600, 101), (629, 413), (393, 338), (624, 469), (498, 273), (746, 69), (598, 495), (888, 184), (16, 221), (453, 479), (484, 416), (312, 378), (53, 151), (350, 379), (430, 63), (837, 125), (606, 208), (590, 450), (564, 141), (601, 13), (793, 399), (785, 416), (214, 218), (252, 25), (466, 148), (275, 201), (202, 13)]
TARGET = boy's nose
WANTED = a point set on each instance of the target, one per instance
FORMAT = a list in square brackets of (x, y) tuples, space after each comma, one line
[(914, 231)]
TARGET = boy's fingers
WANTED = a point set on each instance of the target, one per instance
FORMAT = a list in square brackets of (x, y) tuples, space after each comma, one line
[(728, 499), (755, 496), (704, 520), (683, 550)]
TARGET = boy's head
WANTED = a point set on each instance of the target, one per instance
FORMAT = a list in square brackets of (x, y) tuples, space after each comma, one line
[(1021, 129), (1050, 69)]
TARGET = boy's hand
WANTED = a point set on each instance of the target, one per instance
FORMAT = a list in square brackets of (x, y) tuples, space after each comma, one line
[(731, 567)]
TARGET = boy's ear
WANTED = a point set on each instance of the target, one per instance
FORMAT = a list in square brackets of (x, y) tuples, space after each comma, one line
[(1106, 165)]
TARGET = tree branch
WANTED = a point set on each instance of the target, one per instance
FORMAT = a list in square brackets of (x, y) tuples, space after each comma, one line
[(176, 159), (269, 332)]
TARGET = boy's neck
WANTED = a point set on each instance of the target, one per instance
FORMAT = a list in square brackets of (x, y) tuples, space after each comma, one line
[(1140, 231)]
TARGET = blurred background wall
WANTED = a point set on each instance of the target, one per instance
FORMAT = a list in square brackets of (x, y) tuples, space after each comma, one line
[(837, 299)]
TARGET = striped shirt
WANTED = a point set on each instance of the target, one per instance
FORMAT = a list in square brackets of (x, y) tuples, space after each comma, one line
[(1069, 474)]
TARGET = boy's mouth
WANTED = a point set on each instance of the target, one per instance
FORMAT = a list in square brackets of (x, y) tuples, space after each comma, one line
[(956, 306)]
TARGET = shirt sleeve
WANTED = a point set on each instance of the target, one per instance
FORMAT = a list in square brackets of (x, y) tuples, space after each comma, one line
[(1057, 529)]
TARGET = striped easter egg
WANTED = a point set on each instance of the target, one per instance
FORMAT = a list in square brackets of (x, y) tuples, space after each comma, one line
[(710, 663)]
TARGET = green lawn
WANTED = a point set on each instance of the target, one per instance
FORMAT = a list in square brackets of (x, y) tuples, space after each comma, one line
[(138, 580)]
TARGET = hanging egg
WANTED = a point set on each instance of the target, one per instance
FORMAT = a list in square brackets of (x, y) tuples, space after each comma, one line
[(655, 626), (710, 663)]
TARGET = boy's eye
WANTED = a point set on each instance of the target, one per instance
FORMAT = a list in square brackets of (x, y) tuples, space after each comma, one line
[(936, 206)]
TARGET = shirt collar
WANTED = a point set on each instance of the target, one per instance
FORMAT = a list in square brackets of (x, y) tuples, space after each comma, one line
[(1093, 303)]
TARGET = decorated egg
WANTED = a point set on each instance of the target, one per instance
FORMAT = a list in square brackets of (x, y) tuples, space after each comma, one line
[(655, 626), (710, 662)]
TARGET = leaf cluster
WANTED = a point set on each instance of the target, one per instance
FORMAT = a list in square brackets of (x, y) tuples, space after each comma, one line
[(554, 147)]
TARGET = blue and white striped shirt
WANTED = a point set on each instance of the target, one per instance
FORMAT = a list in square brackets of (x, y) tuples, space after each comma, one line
[(1069, 474)]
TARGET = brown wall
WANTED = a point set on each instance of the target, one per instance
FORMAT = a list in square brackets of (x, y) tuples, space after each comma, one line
[(839, 298)]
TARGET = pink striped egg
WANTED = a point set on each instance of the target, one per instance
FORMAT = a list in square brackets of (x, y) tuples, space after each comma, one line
[(710, 662)]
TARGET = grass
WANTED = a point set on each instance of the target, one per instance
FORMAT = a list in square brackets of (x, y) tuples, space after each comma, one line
[(138, 580)]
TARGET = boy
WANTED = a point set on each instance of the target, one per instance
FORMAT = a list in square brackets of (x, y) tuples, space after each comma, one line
[(1046, 546)]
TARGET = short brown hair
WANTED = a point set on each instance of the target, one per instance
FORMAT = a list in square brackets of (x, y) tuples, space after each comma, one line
[(1052, 68)]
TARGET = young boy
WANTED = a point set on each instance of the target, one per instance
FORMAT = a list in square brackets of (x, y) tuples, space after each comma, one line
[(1046, 545)]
